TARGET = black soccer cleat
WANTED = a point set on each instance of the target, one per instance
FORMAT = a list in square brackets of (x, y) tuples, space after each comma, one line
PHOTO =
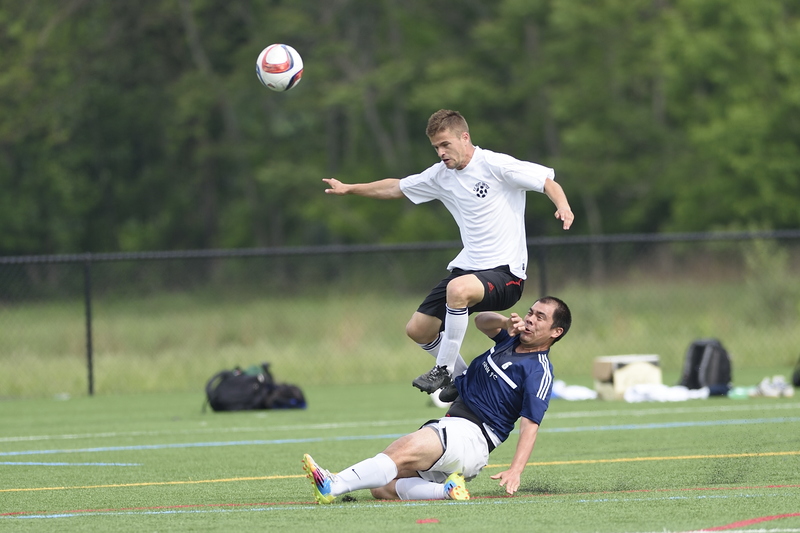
[(433, 380), (449, 393)]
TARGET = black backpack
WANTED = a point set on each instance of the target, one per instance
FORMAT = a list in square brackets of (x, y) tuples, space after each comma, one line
[(255, 388), (707, 364)]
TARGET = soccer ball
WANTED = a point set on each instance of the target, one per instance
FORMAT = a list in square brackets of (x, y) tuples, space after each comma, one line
[(279, 67), (436, 402)]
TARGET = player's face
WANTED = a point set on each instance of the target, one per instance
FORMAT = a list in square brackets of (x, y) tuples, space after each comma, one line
[(454, 149), (539, 325)]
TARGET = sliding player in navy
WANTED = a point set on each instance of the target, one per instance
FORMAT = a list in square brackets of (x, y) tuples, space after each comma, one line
[(510, 382)]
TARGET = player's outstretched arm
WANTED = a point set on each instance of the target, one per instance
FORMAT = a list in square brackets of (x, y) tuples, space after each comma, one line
[(386, 189), (510, 479), (556, 194)]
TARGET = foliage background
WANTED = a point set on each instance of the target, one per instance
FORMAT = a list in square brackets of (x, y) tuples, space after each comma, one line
[(140, 125)]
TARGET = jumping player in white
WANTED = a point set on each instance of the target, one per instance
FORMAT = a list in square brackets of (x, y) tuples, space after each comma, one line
[(511, 381), (485, 192)]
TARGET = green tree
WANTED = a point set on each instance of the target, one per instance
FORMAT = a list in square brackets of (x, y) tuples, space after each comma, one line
[(732, 86), (132, 126)]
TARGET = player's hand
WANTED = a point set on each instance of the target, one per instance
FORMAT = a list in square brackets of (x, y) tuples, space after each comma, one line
[(516, 324), (335, 186), (566, 216), (509, 479)]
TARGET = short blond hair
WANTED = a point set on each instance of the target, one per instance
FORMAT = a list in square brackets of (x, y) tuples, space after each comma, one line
[(446, 119)]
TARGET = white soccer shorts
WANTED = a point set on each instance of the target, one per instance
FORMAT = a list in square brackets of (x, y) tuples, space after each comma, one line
[(465, 451)]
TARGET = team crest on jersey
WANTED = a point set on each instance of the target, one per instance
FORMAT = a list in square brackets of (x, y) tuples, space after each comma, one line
[(481, 189)]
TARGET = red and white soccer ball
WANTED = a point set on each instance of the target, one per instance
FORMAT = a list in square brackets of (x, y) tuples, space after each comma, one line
[(279, 67)]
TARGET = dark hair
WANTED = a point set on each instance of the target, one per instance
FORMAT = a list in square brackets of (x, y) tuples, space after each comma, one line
[(446, 119), (562, 316)]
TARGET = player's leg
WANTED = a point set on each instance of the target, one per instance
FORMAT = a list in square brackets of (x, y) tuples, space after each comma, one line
[(417, 456), (426, 324), (416, 488), (374, 472), (425, 330), (485, 290), (465, 453), (463, 292), (438, 376), (387, 492), (412, 452), (422, 327), (502, 290)]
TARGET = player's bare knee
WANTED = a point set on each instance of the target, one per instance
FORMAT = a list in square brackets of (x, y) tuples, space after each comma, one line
[(423, 331), (464, 292), (413, 333)]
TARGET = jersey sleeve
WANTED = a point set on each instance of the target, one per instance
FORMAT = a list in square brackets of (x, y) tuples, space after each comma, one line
[(538, 389), (521, 174), (422, 187), (500, 337)]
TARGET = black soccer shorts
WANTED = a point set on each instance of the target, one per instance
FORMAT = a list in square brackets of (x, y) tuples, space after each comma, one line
[(502, 289)]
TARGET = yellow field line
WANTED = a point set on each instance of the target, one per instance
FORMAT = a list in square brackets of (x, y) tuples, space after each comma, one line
[(674, 458), (155, 483), (548, 463)]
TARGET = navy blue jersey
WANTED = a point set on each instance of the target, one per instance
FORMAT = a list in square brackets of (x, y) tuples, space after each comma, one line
[(500, 385)]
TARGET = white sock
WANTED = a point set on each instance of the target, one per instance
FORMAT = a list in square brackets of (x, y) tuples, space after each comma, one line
[(456, 322), (368, 474), (433, 349), (460, 366), (416, 488)]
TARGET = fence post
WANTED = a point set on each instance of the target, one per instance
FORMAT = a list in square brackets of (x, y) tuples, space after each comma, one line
[(87, 296), (542, 262)]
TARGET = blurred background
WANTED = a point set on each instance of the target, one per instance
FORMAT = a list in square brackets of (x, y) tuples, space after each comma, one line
[(162, 214)]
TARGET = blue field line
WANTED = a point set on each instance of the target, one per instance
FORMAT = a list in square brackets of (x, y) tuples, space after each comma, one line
[(623, 427), (671, 425)]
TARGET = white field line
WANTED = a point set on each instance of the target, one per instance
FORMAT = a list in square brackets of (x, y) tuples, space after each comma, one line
[(216, 430), (660, 411)]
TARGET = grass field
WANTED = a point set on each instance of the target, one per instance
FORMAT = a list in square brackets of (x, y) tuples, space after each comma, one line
[(156, 462)]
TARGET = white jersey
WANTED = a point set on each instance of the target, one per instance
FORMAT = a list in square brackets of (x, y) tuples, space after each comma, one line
[(487, 200)]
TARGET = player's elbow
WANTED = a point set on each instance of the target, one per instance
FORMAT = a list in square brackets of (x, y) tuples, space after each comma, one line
[(487, 324)]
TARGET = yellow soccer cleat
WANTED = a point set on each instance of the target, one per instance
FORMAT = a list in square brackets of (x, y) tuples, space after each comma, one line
[(320, 480), (455, 487)]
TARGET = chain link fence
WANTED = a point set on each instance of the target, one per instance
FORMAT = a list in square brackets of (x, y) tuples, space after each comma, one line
[(167, 321)]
